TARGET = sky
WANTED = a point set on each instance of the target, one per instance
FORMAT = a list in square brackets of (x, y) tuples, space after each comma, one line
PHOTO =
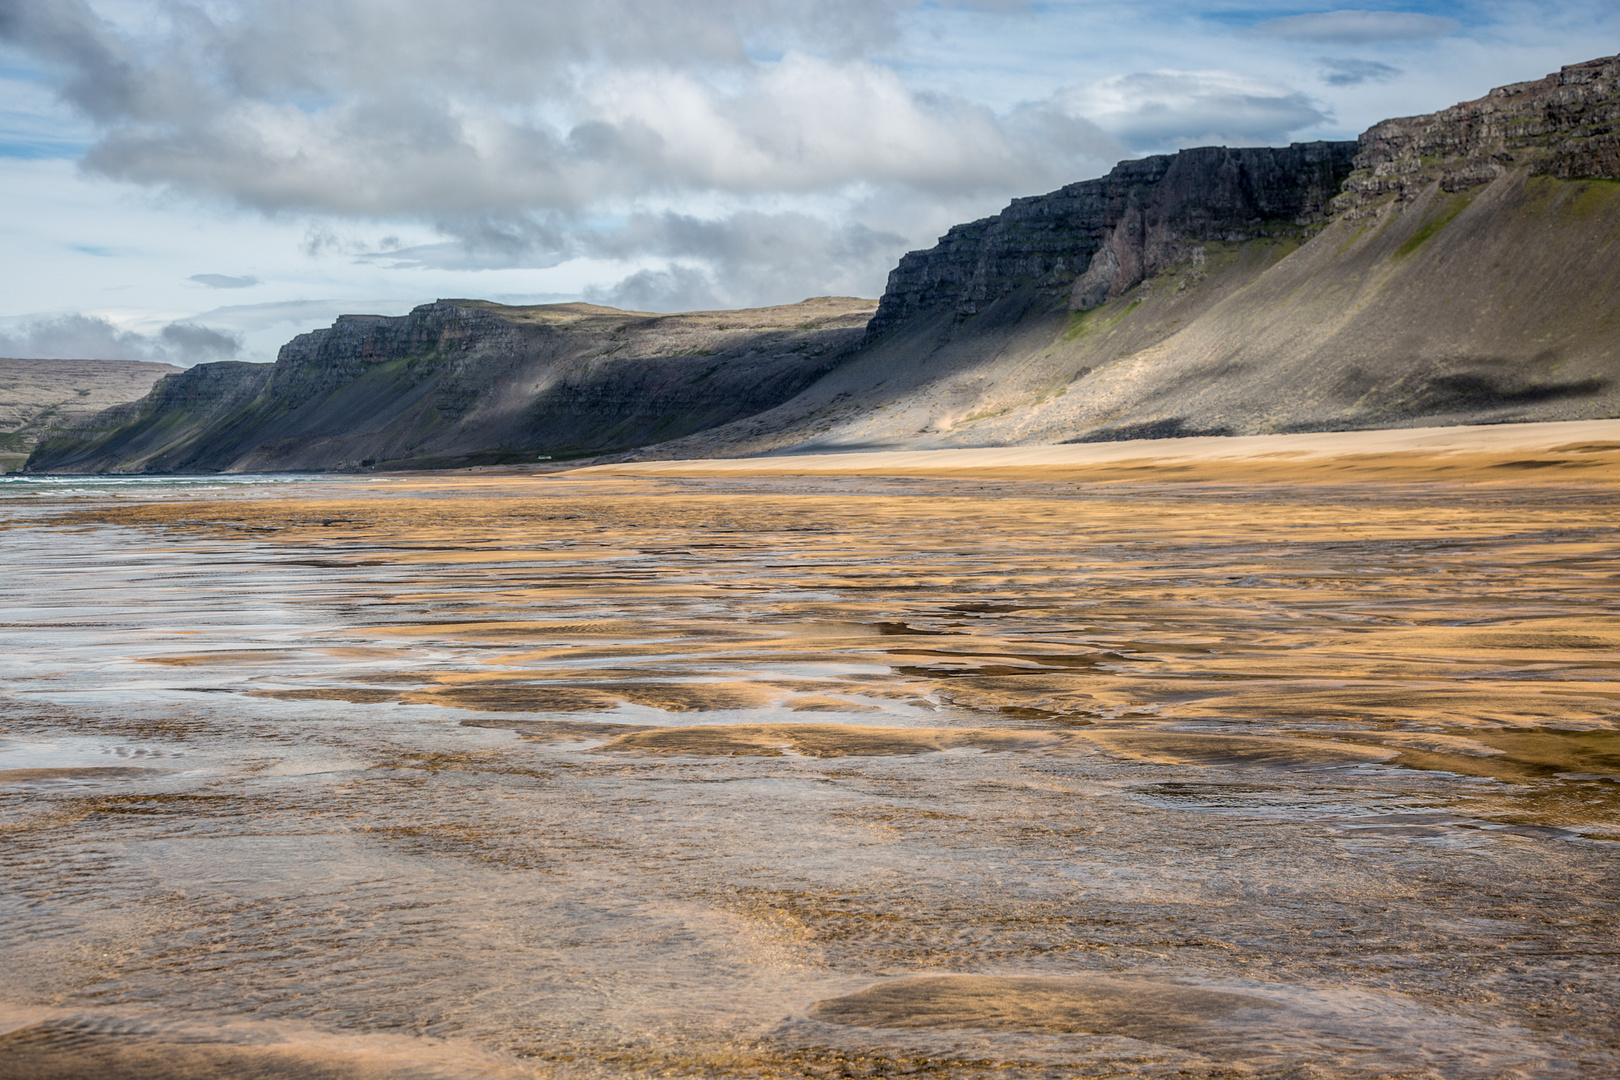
[(199, 180)]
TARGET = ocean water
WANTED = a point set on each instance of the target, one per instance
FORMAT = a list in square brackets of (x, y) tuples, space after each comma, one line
[(550, 776), (19, 484)]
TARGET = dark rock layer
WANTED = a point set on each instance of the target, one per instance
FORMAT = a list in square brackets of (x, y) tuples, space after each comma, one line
[(1118, 229), (462, 382), (1566, 125), (1469, 272)]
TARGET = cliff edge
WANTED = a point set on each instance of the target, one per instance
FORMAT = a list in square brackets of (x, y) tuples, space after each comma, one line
[(1458, 267), (40, 396), (466, 382)]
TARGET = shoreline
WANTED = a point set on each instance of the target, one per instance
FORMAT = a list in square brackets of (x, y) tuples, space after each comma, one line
[(1590, 446)]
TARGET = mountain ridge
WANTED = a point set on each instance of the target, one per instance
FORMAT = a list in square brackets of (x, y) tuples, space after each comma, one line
[(467, 382), (1454, 267), (38, 396)]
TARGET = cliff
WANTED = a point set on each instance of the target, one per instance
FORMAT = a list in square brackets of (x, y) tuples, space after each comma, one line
[(463, 382), (1457, 267), (1098, 238), (1466, 271), (1566, 125), (38, 396)]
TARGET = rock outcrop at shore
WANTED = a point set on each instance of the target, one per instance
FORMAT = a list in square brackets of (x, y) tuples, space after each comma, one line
[(465, 382)]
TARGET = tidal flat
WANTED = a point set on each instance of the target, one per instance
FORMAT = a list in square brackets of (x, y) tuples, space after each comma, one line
[(1241, 769)]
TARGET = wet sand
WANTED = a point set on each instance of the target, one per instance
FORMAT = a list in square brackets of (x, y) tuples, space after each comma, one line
[(1239, 766)]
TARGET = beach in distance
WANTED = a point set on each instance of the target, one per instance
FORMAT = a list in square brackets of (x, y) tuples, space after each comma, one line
[(1265, 757)]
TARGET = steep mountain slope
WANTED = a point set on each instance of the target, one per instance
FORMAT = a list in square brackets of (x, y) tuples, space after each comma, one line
[(1458, 267), (39, 395), (467, 382), (1468, 272)]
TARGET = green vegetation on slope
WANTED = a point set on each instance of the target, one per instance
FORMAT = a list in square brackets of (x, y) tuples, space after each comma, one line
[(1098, 320), (1438, 219)]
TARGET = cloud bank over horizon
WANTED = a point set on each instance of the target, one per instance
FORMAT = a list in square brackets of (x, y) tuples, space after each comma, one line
[(87, 337), (649, 153)]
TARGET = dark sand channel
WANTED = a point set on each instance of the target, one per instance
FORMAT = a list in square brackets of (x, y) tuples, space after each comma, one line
[(1222, 772)]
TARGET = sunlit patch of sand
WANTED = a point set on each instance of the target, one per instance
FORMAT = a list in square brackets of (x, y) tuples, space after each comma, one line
[(823, 740), (692, 697), (828, 704), (1178, 669), (1524, 756), (556, 730), (1584, 450), (1430, 742), (508, 629), (356, 695), (221, 657), (111, 1047), (669, 697), (1154, 1012), (1179, 748), (516, 698)]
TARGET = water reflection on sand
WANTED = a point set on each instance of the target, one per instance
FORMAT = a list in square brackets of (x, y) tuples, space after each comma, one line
[(848, 776)]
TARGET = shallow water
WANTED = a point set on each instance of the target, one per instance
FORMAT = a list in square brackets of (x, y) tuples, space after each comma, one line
[(558, 776)]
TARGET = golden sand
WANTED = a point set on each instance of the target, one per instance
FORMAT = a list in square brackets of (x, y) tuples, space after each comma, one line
[(1152, 1012)]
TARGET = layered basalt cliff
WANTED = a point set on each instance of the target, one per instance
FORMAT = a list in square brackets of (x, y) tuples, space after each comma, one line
[(462, 382), (1566, 125), (1459, 267), (1095, 239), (1468, 271)]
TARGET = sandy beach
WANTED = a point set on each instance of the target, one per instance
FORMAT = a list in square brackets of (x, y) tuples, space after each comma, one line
[(1277, 757), (1587, 449)]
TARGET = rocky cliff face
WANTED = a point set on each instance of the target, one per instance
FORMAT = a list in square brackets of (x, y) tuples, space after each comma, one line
[(462, 382), (1094, 240), (1460, 267), (1566, 125), (40, 396), (1468, 272)]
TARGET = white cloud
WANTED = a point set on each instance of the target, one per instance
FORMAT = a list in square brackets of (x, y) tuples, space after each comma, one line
[(225, 281), (737, 151), (1358, 27), (514, 131), (90, 337), (743, 260), (1167, 110), (797, 124), (357, 107)]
